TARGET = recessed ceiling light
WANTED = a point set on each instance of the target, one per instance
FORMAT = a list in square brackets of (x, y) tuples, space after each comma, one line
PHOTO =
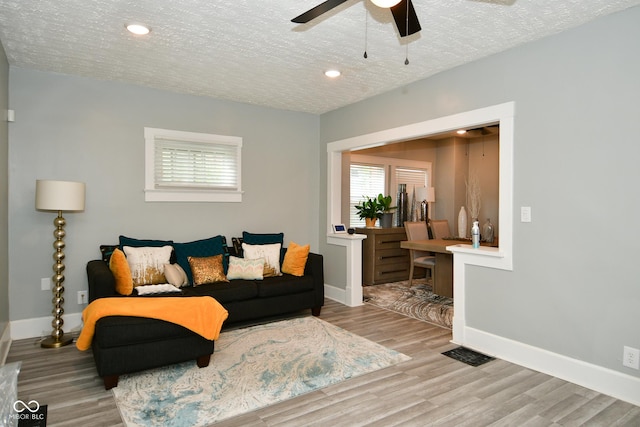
[(138, 29), (332, 73), (461, 132)]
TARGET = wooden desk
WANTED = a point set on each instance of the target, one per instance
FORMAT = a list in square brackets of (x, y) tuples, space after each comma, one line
[(443, 274)]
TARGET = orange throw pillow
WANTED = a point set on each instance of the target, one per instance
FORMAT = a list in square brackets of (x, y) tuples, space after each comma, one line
[(121, 272), (295, 259)]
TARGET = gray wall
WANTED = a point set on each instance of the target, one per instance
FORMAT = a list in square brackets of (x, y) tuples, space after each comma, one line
[(73, 128), (4, 198), (574, 289)]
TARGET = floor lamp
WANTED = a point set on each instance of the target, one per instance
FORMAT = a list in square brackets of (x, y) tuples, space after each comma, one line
[(59, 196)]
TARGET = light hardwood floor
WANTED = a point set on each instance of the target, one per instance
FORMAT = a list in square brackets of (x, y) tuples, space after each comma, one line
[(430, 389)]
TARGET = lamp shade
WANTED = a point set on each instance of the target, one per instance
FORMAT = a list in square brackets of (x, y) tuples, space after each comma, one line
[(59, 195), (431, 194), (421, 193)]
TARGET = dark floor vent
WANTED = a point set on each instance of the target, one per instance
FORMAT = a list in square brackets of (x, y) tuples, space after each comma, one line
[(468, 356)]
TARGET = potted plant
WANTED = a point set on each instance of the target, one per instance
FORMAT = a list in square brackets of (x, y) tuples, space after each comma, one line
[(370, 210), (386, 219)]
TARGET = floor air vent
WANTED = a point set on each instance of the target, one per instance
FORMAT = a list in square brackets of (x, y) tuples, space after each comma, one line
[(468, 356)]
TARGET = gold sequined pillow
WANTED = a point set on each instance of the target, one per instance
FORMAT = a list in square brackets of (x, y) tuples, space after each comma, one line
[(147, 264), (207, 269)]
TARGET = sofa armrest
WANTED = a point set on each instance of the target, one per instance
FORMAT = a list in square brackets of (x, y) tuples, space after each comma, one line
[(315, 268), (101, 281)]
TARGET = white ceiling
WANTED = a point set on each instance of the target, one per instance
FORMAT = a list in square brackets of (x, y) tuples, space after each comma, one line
[(250, 51)]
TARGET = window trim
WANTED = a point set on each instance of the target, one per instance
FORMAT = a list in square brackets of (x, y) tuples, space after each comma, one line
[(375, 162), (153, 194)]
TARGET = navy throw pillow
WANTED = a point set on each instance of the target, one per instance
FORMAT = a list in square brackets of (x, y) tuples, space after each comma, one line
[(262, 239), (200, 248)]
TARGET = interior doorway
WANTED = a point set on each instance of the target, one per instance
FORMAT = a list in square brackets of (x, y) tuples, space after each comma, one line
[(499, 258), (453, 160)]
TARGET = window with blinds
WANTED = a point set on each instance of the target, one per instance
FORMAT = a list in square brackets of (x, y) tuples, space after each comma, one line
[(187, 166), (414, 178), (366, 181)]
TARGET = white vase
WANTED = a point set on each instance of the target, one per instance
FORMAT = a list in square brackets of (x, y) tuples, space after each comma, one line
[(462, 223)]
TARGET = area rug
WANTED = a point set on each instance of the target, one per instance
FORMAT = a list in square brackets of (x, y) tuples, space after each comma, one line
[(251, 368), (416, 301)]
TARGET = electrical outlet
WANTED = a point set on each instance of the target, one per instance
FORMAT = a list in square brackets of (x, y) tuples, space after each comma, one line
[(45, 283), (631, 357), (525, 214), (82, 297)]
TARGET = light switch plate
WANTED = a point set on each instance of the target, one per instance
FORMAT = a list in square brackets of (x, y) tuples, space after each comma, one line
[(525, 214)]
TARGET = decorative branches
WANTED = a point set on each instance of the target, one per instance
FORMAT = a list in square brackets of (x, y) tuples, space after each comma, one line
[(473, 195)]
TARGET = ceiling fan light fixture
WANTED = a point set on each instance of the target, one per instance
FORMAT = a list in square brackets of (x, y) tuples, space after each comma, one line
[(138, 29), (332, 74), (385, 3)]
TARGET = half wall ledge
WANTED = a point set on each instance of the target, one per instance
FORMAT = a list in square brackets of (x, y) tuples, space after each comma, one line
[(353, 243)]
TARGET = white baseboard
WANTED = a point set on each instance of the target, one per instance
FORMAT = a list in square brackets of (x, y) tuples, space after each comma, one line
[(5, 343), (335, 294), (603, 380), (41, 326)]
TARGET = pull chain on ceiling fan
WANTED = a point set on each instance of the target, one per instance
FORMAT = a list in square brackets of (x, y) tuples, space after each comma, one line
[(403, 12)]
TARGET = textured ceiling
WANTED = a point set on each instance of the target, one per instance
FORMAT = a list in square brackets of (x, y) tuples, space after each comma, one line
[(250, 51)]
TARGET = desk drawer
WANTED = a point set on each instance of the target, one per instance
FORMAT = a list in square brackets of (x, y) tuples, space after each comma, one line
[(391, 272), (389, 241), (391, 256)]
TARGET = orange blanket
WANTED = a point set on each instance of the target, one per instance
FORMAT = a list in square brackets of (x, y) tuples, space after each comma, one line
[(202, 315)]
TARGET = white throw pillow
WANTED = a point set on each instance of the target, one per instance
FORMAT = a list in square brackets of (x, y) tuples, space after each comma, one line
[(176, 275), (270, 253), (244, 268), (164, 288), (147, 264)]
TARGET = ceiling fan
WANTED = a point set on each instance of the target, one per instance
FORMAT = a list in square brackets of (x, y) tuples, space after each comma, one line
[(403, 13)]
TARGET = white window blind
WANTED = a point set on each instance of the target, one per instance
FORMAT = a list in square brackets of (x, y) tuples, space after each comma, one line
[(192, 167), (180, 164), (366, 181), (412, 177)]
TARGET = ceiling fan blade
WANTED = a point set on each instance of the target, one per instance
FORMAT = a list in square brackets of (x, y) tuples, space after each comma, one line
[(399, 12), (317, 11)]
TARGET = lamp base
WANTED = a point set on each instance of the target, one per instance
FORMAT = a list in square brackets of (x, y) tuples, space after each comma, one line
[(51, 342)]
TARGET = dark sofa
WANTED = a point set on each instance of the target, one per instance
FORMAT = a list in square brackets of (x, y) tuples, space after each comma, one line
[(123, 344)]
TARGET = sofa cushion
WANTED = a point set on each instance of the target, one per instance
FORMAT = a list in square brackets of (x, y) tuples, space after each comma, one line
[(136, 243), (262, 239), (295, 259), (106, 251), (223, 292), (121, 272), (270, 253), (199, 248), (244, 268), (147, 264), (176, 275), (115, 331), (284, 285), (207, 269)]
